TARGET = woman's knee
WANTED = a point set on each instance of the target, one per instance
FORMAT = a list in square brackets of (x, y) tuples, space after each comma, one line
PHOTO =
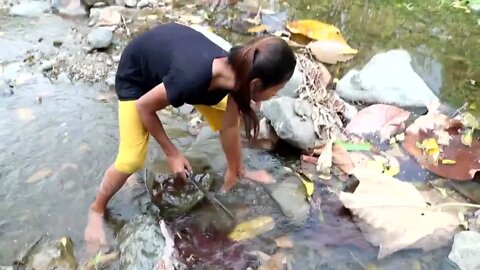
[(129, 165)]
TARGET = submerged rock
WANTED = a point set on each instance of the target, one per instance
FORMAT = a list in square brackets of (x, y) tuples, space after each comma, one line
[(30, 9), (100, 38), (58, 254), (294, 129), (141, 243), (174, 198), (290, 195), (466, 250), (387, 78)]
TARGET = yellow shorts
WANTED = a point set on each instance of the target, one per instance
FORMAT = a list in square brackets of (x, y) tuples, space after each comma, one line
[(132, 149)]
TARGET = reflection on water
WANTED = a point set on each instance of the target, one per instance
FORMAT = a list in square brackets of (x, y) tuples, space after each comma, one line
[(56, 141)]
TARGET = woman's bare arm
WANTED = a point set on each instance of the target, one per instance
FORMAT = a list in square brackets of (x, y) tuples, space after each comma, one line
[(230, 138), (147, 106)]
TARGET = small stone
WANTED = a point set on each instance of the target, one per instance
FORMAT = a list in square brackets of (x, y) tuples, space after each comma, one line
[(63, 78), (466, 250), (57, 43), (109, 62), (99, 4), (116, 58), (30, 9), (47, 65), (100, 38), (143, 3), (131, 3)]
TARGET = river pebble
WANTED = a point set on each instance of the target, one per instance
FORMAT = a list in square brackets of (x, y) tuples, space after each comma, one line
[(100, 38), (47, 65), (143, 3), (466, 250), (30, 9)]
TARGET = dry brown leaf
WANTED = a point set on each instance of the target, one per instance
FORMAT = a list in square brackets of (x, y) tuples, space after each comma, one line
[(383, 118), (40, 175), (393, 215), (331, 52), (284, 242), (316, 30)]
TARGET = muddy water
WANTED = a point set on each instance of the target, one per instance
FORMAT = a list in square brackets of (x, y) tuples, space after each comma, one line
[(68, 133)]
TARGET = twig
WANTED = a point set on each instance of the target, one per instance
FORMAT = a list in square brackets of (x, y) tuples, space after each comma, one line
[(125, 25), (102, 259), (358, 261), (459, 110)]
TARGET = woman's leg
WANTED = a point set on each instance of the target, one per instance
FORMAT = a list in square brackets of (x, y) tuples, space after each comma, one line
[(131, 156)]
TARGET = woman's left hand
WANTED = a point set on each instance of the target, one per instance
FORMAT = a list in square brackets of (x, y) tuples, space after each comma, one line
[(260, 176)]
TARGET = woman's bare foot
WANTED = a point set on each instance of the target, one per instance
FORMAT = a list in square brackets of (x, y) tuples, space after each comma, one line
[(228, 185), (95, 232)]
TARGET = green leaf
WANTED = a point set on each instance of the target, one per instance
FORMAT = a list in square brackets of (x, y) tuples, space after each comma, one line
[(354, 146)]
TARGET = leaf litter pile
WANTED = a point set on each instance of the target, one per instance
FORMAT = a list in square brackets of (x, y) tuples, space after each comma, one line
[(369, 147)]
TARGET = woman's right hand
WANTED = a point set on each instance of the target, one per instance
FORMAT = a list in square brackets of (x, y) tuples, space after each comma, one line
[(179, 165)]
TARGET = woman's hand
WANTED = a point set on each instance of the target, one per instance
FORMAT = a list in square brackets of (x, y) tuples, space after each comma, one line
[(178, 164), (260, 176)]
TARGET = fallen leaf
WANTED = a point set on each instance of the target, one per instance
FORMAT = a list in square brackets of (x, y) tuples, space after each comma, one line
[(258, 29), (307, 182), (284, 242), (316, 30), (354, 146), (467, 137), (433, 120), (393, 215), (430, 148), (341, 159), (40, 175), (473, 106), (331, 52), (25, 114), (251, 228), (383, 118)]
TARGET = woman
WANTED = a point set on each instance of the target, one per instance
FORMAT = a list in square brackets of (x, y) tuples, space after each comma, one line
[(173, 64)]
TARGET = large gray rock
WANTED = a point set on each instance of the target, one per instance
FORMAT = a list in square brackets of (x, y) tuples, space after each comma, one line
[(143, 244), (30, 9), (100, 38), (387, 78), (294, 129), (466, 250), (292, 85)]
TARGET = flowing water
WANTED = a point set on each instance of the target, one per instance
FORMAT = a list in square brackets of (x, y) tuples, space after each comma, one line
[(56, 139)]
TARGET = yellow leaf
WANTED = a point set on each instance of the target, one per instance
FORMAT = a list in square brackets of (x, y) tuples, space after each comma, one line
[(309, 186), (251, 228), (448, 162), (431, 147), (316, 30), (40, 175), (473, 106), (469, 120), (258, 29), (467, 137)]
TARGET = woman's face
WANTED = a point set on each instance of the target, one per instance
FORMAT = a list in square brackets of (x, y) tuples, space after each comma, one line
[(259, 94)]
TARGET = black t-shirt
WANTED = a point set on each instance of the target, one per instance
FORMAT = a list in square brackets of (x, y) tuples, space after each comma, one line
[(176, 55)]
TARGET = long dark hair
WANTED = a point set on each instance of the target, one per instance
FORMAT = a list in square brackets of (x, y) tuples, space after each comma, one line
[(269, 59)]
